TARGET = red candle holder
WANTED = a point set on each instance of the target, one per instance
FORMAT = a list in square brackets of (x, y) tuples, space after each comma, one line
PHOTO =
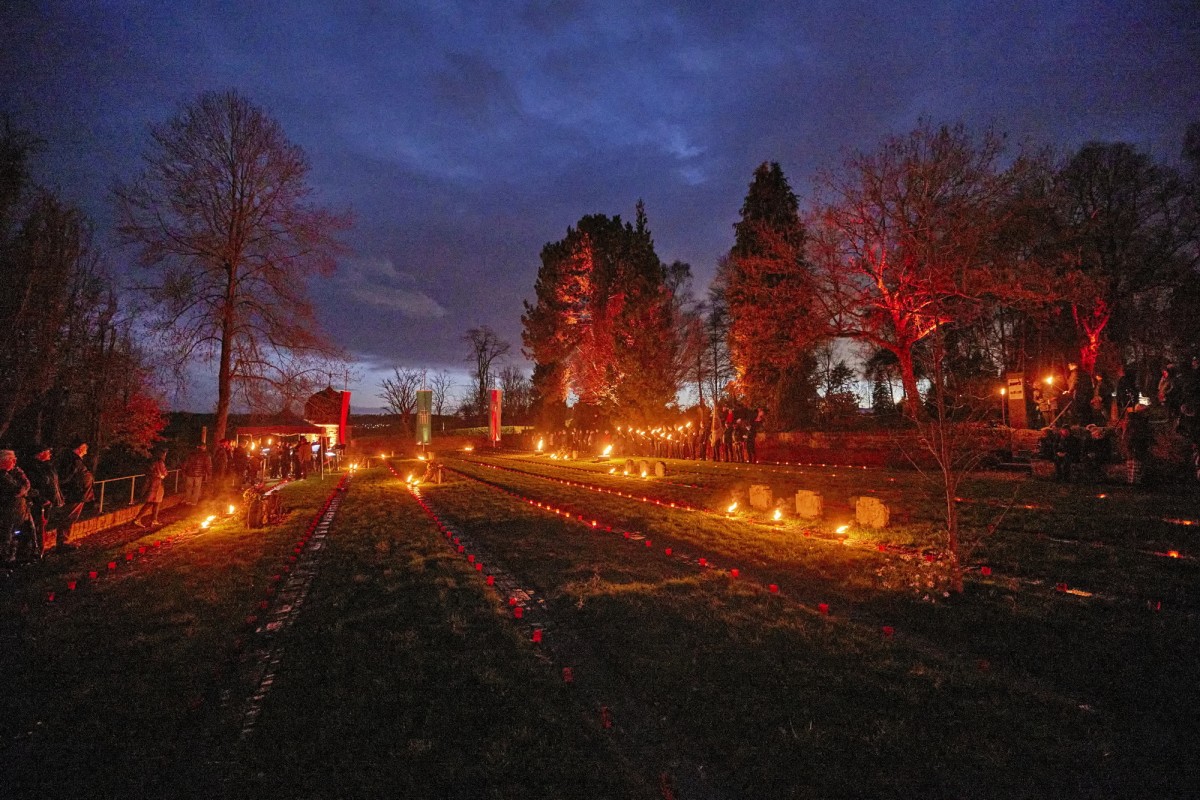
[(889, 631), (470, 558), (703, 562), (112, 565), (479, 567), (512, 601), (773, 588), (537, 636), (49, 597), (70, 586), (491, 580), (518, 612), (92, 575), (568, 675), (129, 556), (985, 571), (733, 573), (823, 608), (667, 551)]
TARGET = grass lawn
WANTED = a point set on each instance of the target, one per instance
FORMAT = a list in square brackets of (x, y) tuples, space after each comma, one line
[(403, 674)]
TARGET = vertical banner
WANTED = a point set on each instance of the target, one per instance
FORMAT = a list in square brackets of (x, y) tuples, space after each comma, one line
[(424, 416), (343, 436), (494, 416)]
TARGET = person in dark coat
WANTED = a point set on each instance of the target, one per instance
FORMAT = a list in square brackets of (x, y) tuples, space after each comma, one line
[(76, 482), (1127, 390), (14, 488), (155, 490), (756, 422), (1067, 450), (45, 496)]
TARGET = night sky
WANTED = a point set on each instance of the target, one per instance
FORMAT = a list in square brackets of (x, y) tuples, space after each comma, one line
[(465, 135)]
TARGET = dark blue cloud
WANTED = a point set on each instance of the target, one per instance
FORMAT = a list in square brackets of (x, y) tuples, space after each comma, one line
[(465, 135)]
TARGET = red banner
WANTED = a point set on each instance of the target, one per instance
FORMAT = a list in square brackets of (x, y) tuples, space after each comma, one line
[(343, 428), (494, 415)]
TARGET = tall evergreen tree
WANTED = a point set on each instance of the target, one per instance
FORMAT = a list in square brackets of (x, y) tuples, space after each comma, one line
[(603, 328), (769, 293)]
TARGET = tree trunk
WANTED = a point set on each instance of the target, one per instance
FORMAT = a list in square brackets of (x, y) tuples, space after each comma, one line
[(225, 370), (908, 377)]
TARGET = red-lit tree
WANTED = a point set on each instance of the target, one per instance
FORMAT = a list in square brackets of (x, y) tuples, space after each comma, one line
[(926, 233), (1124, 223), (604, 324), (769, 292)]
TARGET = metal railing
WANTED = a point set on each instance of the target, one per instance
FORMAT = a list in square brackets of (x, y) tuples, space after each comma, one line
[(115, 496)]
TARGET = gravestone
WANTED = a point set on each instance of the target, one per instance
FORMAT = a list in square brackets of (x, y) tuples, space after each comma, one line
[(761, 497), (871, 512), (660, 469), (630, 467), (808, 504), (643, 467)]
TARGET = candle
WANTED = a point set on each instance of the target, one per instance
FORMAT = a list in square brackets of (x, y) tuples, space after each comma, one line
[(823, 608), (734, 572), (773, 588)]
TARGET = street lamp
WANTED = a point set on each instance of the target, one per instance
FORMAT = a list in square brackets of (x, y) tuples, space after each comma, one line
[(1003, 406)]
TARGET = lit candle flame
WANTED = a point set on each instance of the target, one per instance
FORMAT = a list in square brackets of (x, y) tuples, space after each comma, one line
[(207, 522), (843, 528), (607, 450), (732, 507), (778, 515)]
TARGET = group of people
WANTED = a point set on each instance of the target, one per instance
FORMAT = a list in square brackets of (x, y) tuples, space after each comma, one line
[(44, 496), (729, 434), (1102, 422), (732, 434)]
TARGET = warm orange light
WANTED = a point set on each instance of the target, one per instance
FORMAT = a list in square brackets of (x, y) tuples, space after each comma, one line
[(207, 522), (1049, 380), (778, 515), (607, 450), (732, 507), (842, 528), (1173, 553)]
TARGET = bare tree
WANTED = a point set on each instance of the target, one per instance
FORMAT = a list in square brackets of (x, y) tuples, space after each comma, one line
[(927, 232), (223, 215), (400, 392), (486, 347), (441, 385), (518, 392)]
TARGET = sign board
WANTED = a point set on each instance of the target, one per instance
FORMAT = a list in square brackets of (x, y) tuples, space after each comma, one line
[(1015, 397), (424, 416)]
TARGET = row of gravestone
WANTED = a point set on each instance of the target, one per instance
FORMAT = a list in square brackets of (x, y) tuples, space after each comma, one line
[(869, 512), (658, 469)]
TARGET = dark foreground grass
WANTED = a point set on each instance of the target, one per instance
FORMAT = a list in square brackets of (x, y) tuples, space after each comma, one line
[(403, 678), (1001, 693), (108, 690)]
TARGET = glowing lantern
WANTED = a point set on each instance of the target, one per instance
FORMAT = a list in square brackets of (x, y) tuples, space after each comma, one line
[(778, 515), (732, 507), (841, 529)]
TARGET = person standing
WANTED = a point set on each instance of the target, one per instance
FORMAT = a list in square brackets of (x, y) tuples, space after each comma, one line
[(197, 468), (718, 432), (14, 488), (76, 482), (45, 496), (757, 419), (154, 491)]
